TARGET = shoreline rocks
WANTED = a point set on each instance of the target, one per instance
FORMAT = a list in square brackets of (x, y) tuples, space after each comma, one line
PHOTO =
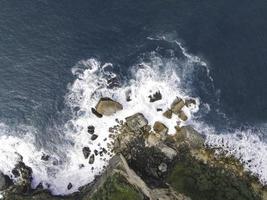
[(107, 106), (150, 164)]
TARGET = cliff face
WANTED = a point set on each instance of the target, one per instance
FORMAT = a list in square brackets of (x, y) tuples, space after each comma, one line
[(150, 164)]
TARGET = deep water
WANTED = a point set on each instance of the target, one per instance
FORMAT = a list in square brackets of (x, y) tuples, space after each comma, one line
[(217, 48)]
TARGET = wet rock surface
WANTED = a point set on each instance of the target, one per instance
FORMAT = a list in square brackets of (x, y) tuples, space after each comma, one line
[(150, 164), (155, 97), (107, 106)]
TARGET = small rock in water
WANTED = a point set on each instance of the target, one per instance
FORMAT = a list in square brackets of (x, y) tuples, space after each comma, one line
[(159, 109), (91, 129), (86, 152), (96, 113), (96, 152), (94, 136), (92, 159), (189, 102), (69, 186), (45, 157), (155, 97), (81, 166)]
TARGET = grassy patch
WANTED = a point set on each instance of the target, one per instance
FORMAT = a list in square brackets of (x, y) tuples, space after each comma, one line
[(116, 188), (201, 182)]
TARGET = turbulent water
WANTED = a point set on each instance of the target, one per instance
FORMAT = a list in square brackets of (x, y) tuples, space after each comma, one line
[(57, 60)]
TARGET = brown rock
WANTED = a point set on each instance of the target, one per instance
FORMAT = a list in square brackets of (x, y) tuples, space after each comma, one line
[(160, 128), (168, 114), (182, 116), (107, 106), (177, 105)]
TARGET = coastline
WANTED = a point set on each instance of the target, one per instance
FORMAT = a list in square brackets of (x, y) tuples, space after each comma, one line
[(151, 164)]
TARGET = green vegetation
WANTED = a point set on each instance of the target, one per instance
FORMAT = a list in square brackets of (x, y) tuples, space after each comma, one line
[(116, 188), (202, 182)]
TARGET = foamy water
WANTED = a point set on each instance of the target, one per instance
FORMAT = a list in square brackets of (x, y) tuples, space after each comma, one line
[(92, 83)]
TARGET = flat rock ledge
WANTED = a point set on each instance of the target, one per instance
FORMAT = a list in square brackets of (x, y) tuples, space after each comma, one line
[(150, 164)]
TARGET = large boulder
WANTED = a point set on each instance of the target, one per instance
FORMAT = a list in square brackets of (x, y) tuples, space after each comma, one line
[(177, 105), (190, 136), (160, 128), (136, 122), (107, 106)]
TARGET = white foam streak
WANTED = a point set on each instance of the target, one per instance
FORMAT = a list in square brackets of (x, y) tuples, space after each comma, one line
[(245, 146)]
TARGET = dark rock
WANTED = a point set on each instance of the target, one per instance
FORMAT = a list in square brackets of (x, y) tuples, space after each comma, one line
[(155, 97), (92, 159), (94, 137), (96, 113), (86, 152), (91, 129), (107, 106), (189, 102), (95, 152), (159, 109), (45, 157), (16, 173), (81, 166), (3, 183), (69, 186)]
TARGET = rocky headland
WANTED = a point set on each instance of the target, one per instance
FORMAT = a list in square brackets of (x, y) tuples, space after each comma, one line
[(150, 163)]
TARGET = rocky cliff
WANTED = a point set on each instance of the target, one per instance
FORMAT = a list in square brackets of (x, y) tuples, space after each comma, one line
[(149, 163)]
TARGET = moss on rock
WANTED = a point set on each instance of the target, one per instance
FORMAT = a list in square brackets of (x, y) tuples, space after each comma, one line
[(203, 182), (117, 188)]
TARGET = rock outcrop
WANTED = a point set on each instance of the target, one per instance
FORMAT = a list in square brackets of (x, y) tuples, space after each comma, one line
[(150, 164), (107, 106)]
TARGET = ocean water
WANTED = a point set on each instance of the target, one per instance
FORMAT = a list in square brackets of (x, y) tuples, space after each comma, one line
[(57, 59)]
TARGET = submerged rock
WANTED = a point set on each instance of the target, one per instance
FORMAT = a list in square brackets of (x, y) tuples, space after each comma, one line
[(155, 97), (107, 106)]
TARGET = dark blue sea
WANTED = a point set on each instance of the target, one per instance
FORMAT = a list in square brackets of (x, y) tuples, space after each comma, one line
[(218, 50)]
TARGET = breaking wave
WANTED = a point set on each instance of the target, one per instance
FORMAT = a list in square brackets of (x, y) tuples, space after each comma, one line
[(152, 72)]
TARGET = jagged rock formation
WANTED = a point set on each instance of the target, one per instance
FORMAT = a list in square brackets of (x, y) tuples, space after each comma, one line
[(150, 164)]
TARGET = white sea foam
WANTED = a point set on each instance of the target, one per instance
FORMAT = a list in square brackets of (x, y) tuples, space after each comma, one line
[(92, 82), (245, 146)]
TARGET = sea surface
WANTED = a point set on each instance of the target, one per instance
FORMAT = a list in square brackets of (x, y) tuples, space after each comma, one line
[(58, 58)]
